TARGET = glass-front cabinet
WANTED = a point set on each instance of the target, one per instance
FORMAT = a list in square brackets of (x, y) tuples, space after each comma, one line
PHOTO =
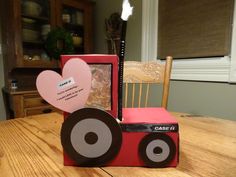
[(25, 26), (74, 17), (32, 20), (37, 20), (72, 20)]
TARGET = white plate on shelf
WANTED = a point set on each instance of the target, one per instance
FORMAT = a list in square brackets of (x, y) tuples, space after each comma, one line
[(30, 35), (31, 8)]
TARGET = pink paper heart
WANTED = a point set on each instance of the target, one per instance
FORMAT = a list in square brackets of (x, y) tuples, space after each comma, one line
[(70, 91)]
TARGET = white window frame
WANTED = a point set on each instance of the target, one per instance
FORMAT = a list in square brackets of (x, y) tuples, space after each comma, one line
[(217, 69)]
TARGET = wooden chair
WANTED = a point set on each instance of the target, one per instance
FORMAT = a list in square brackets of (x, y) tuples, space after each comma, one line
[(138, 74)]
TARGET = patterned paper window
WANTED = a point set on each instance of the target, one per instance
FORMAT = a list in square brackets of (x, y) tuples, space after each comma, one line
[(100, 94)]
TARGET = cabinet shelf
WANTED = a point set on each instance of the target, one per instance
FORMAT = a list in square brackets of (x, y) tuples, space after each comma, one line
[(73, 26), (35, 43), (74, 29), (40, 64), (38, 18)]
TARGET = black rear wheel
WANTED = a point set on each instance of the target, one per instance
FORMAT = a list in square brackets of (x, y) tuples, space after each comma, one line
[(91, 137)]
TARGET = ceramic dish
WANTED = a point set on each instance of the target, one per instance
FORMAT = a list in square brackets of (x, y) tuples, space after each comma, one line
[(31, 8), (28, 23), (77, 41), (30, 35)]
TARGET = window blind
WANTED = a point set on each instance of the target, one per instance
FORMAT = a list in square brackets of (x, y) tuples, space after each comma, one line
[(189, 29)]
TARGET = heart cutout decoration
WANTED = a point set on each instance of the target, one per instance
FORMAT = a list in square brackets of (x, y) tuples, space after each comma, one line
[(70, 91)]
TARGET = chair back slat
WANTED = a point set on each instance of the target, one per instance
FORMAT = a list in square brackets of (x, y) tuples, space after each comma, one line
[(133, 94), (140, 94), (126, 94), (147, 94)]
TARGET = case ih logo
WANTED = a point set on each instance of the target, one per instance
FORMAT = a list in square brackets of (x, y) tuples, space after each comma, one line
[(164, 128), (149, 127)]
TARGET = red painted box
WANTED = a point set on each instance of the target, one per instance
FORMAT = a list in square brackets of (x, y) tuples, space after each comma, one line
[(93, 137)]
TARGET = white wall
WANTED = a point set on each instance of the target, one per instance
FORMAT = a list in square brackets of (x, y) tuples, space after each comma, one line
[(102, 10)]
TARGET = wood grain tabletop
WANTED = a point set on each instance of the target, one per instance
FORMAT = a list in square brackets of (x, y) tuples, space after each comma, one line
[(31, 147)]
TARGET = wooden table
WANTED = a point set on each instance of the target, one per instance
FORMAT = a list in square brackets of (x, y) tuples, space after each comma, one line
[(31, 147)]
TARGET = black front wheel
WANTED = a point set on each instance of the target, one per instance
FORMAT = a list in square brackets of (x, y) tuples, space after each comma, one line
[(157, 150)]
